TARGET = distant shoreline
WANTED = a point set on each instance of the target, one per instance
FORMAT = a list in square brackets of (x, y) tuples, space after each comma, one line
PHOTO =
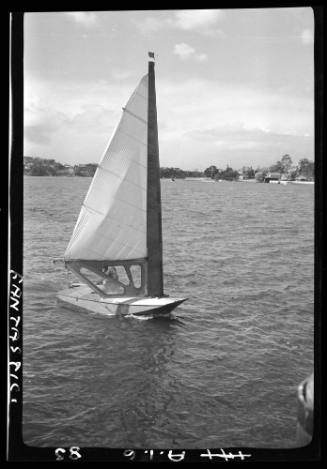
[(187, 179), (280, 172)]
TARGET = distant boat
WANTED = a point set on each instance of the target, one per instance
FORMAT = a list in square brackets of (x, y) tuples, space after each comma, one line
[(116, 246)]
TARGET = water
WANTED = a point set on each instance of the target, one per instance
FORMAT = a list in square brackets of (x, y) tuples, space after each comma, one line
[(223, 373)]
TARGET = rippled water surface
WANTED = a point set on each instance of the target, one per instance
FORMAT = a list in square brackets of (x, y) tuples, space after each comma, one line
[(223, 373)]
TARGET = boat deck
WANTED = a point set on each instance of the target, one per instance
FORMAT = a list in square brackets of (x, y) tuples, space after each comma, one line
[(82, 298)]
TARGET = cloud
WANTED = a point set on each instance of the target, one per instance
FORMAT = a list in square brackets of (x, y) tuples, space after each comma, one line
[(71, 122), (208, 122), (87, 19), (184, 51), (237, 135), (307, 37), (203, 21), (202, 57), (39, 134), (197, 19), (42, 124), (151, 24), (121, 74), (42, 121), (198, 119), (250, 146)]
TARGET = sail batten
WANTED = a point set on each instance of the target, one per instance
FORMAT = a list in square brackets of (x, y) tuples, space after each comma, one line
[(92, 209), (134, 115), (121, 178), (132, 136)]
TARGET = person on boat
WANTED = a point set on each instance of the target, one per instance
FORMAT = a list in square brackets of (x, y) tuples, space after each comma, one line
[(111, 273)]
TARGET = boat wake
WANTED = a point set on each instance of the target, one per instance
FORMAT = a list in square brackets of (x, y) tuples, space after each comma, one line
[(139, 317)]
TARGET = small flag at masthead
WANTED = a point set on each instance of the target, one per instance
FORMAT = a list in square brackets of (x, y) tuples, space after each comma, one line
[(151, 55)]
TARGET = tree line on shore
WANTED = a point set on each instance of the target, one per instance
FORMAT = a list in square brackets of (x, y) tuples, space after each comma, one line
[(304, 169), (35, 166), (282, 169)]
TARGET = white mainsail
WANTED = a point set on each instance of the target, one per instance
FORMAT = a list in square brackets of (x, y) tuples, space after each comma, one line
[(112, 222)]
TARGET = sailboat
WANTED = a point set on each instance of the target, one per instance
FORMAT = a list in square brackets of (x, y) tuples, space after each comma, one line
[(116, 246)]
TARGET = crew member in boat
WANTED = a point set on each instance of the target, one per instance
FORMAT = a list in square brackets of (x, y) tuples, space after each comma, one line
[(111, 273)]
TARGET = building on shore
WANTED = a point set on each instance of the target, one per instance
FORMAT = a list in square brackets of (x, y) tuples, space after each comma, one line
[(67, 170), (272, 177), (86, 170)]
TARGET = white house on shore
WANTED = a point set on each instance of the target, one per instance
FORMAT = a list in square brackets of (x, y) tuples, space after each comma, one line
[(67, 170), (272, 177)]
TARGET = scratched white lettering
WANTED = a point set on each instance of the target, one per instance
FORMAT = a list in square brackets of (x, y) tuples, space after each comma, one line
[(14, 306), (17, 320), (16, 275), (224, 455), (129, 453), (14, 385), (58, 453), (14, 332), (150, 452), (15, 336), (17, 365), (74, 453), (176, 457), (17, 293)]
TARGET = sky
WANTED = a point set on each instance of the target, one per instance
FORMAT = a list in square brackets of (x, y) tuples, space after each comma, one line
[(234, 86)]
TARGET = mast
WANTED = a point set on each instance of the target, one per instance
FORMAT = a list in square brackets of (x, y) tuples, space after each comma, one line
[(154, 228)]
